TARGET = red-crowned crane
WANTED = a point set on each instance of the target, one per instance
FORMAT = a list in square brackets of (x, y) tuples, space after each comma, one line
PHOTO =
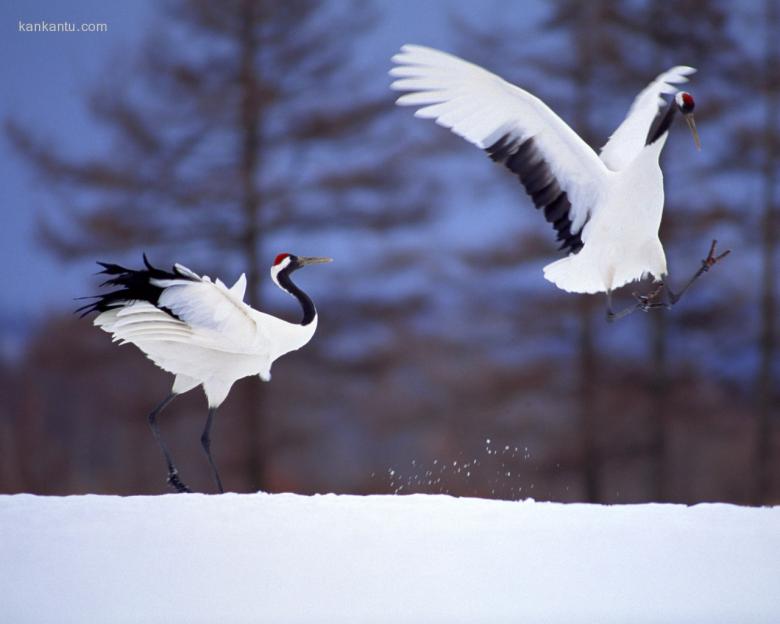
[(606, 209), (201, 331)]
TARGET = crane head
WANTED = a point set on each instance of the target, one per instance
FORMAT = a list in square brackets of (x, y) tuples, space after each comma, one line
[(284, 260), (290, 262), (685, 103)]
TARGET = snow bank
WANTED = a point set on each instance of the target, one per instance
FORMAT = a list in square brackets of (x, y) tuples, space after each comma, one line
[(289, 558)]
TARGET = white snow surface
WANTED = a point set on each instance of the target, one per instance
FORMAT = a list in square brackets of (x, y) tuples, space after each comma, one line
[(288, 558)]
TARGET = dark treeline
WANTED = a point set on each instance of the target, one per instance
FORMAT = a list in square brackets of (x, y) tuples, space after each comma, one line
[(443, 362)]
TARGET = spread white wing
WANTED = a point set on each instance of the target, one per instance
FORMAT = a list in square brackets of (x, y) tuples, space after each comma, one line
[(630, 138), (558, 169), (191, 310)]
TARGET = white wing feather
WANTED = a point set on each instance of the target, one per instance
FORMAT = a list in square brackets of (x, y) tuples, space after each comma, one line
[(239, 288), (481, 107), (629, 139), (142, 321), (208, 315), (217, 315)]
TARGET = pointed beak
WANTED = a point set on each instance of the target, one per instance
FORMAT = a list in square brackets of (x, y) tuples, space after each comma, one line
[(694, 132), (303, 261)]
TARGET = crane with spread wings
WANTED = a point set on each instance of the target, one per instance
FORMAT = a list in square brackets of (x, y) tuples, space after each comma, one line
[(606, 209)]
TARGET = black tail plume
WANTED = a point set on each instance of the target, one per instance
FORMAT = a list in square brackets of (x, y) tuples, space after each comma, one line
[(134, 285)]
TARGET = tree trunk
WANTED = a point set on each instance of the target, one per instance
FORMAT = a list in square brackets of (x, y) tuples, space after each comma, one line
[(659, 387), (587, 359), (587, 401), (659, 375), (250, 163), (768, 247)]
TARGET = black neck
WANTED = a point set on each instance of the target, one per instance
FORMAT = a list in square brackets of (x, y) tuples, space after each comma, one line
[(309, 311), (661, 123)]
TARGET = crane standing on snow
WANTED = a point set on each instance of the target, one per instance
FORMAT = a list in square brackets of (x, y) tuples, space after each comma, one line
[(201, 331), (606, 210)]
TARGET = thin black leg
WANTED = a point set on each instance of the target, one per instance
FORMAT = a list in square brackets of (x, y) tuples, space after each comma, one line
[(173, 474), (643, 302), (205, 441), (648, 302), (706, 265)]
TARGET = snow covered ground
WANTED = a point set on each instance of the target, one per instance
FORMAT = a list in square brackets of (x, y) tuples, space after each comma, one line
[(289, 558)]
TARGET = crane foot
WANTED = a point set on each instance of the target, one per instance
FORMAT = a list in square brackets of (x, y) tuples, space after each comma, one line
[(711, 260)]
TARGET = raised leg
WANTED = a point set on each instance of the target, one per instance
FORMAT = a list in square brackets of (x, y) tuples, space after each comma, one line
[(205, 441), (173, 474), (706, 265), (648, 302)]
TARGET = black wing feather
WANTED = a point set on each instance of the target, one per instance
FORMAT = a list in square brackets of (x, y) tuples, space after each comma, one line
[(134, 285), (524, 159)]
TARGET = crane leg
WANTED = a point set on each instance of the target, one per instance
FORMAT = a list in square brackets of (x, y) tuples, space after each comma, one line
[(648, 302), (205, 441), (173, 473), (643, 302), (706, 265)]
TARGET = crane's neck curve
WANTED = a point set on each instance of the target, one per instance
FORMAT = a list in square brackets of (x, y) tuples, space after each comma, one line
[(285, 283), (661, 123)]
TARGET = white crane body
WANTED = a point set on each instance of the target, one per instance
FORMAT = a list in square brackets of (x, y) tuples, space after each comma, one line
[(192, 354), (201, 331), (607, 208), (620, 240)]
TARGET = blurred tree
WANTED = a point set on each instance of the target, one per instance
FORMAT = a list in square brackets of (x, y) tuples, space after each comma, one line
[(592, 46), (587, 56), (759, 146), (242, 122), (769, 144), (748, 149), (694, 33), (612, 50)]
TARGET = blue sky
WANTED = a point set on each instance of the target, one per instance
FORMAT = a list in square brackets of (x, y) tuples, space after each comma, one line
[(45, 77)]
